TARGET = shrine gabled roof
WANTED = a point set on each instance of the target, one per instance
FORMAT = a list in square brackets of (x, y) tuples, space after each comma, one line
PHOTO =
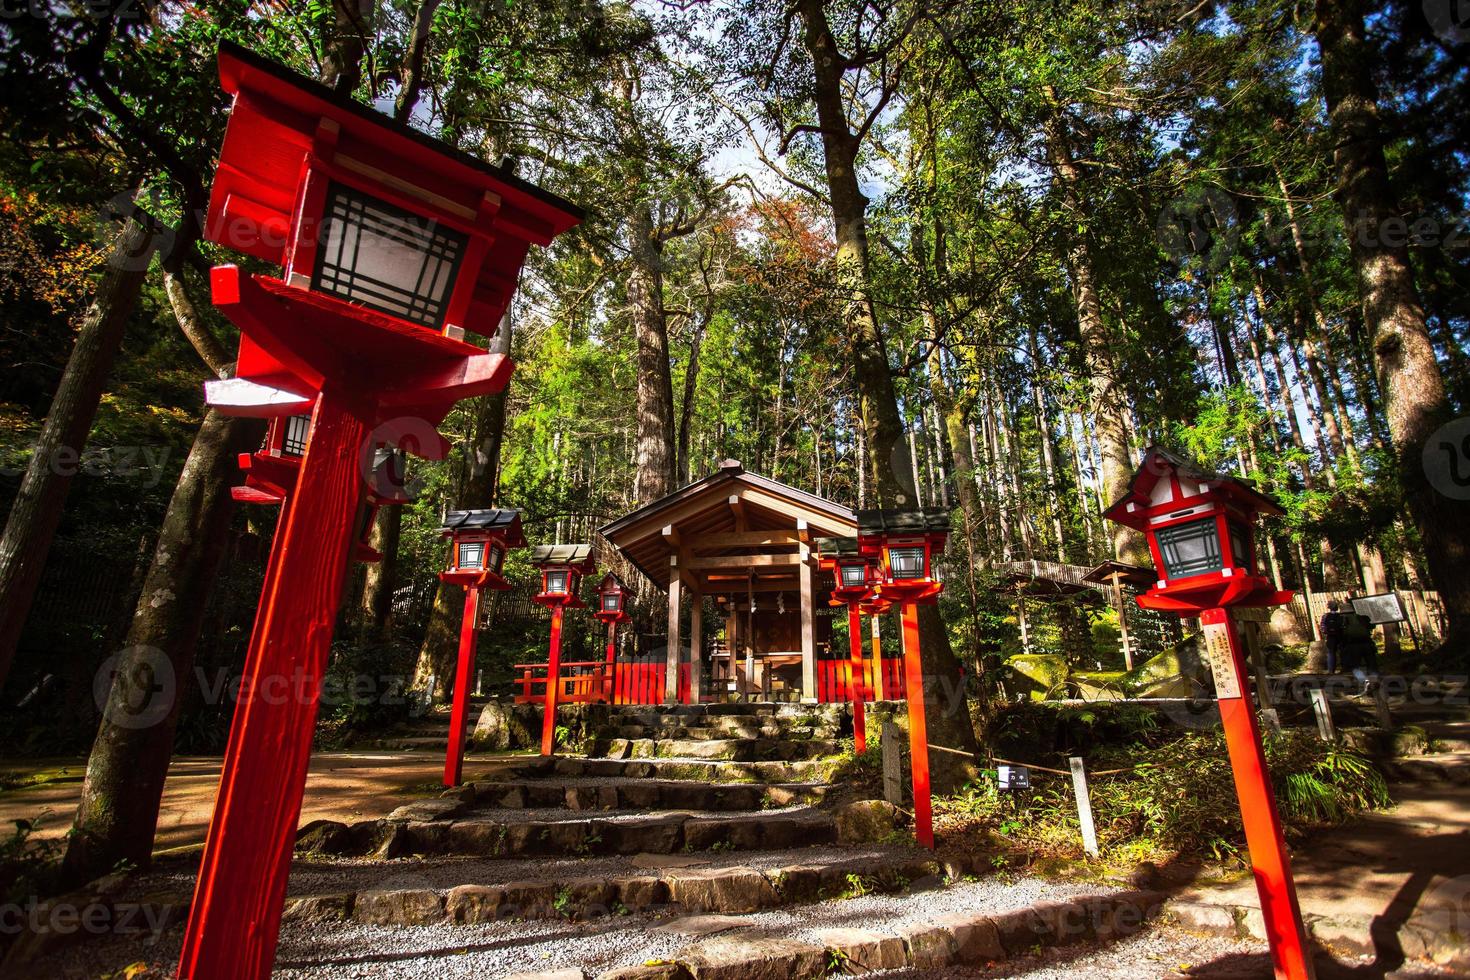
[(728, 502)]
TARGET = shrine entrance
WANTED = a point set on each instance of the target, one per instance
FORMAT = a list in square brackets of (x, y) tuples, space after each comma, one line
[(741, 547)]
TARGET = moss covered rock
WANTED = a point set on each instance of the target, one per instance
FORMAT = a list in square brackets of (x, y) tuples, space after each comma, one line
[(1040, 675)]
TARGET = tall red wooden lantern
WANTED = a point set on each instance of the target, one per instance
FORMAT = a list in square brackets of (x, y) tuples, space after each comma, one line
[(905, 544), (612, 609), (562, 567), (478, 541), (1200, 527), (854, 577), (391, 245)]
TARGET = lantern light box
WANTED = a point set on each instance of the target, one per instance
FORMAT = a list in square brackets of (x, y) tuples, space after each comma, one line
[(907, 544), (391, 245), (853, 572), (478, 541), (562, 567), (1200, 527), (612, 599)]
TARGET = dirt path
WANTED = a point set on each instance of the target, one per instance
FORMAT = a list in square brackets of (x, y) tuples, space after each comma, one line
[(342, 786)]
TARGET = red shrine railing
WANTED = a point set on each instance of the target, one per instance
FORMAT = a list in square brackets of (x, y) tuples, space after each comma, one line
[(589, 681)]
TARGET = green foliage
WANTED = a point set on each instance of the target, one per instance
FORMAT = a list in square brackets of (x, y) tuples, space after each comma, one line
[(1178, 796)]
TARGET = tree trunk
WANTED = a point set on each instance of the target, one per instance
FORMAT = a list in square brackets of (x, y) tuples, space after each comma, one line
[(380, 576), (1413, 390), (118, 815), (879, 403), (36, 511), (655, 452), (477, 489), (1108, 406)]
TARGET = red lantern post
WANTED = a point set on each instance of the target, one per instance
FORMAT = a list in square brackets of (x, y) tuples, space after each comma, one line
[(562, 567), (391, 245), (1200, 529), (612, 609), (905, 544), (478, 541), (853, 581)]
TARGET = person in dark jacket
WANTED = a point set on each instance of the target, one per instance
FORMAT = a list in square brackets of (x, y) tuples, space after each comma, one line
[(1332, 627)]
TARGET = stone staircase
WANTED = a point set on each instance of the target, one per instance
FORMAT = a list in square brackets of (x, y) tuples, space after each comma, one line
[(724, 808)]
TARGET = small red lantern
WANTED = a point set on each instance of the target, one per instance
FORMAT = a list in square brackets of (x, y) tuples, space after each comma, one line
[(562, 567), (905, 544), (478, 541), (853, 579), (1201, 530), (612, 609), (612, 600)]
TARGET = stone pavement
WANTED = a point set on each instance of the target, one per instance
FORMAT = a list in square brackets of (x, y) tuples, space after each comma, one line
[(1392, 886), (342, 786)]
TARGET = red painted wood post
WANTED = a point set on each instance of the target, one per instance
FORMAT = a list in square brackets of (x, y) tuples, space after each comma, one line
[(1269, 860), (855, 684), (881, 690), (609, 681), (553, 678), (918, 727), (454, 757), (234, 920)]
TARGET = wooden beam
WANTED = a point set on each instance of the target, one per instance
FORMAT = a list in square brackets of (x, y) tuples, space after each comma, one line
[(742, 539), (739, 587), (803, 532), (737, 507), (744, 561), (670, 534)]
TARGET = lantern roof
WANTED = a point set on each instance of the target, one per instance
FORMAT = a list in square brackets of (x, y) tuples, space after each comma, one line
[(577, 557), (874, 523), (1188, 479), (838, 548), (506, 521), (274, 123), (611, 581)]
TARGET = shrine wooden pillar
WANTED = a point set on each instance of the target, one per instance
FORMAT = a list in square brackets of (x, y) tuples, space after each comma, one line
[(808, 626), (671, 673), (696, 644)]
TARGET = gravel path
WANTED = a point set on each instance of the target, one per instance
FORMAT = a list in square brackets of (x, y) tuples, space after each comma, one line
[(485, 951), (1162, 951)]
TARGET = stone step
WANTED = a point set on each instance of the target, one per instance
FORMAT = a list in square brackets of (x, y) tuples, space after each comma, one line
[(509, 834), (621, 793), (701, 770), (767, 729), (1447, 767), (733, 749), (411, 743), (477, 890)]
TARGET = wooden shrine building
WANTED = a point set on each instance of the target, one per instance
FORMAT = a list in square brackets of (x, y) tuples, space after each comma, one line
[(746, 544)]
